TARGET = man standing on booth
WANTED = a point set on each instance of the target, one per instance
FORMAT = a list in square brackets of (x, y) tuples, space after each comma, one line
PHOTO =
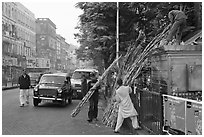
[(178, 22)]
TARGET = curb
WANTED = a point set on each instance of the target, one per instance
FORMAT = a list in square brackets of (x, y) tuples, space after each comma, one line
[(7, 88)]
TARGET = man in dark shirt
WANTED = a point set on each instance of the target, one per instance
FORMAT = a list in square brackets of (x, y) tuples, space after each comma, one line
[(67, 84), (84, 86), (24, 86), (93, 101)]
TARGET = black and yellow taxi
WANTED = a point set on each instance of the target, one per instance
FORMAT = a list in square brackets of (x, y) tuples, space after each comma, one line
[(53, 87)]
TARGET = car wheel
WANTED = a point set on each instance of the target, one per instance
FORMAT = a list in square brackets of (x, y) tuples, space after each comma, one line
[(64, 102), (35, 102), (70, 100)]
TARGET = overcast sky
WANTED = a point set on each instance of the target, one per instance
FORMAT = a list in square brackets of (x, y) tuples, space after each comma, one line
[(62, 13)]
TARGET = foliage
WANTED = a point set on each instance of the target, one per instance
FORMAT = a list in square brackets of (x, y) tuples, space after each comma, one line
[(98, 26)]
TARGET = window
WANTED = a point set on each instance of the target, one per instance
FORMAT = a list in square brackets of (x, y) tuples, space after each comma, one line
[(2, 7), (52, 79), (9, 11)]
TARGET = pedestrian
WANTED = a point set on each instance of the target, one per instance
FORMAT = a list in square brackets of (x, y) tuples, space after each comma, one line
[(93, 101), (178, 21), (24, 86), (67, 86), (126, 107), (39, 78), (84, 86)]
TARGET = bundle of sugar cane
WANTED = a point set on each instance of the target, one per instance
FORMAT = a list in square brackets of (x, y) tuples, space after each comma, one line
[(91, 91), (142, 58), (111, 112), (134, 60), (133, 50), (110, 116)]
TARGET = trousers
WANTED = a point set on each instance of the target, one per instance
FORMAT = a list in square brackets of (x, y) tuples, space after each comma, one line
[(24, 96), (93, 108), (120, 120)]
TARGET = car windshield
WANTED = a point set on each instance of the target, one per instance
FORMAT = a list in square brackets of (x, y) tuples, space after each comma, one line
[(52, 79), (79, 74), (34, 74)]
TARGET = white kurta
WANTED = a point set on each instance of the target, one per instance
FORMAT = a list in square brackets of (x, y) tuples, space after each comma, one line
[(126, 108)]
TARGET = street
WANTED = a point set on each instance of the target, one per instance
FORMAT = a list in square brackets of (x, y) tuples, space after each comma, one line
[(47, 118)]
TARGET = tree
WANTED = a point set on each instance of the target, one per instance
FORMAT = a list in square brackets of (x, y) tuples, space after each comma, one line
[(97, 30), (98, 25)]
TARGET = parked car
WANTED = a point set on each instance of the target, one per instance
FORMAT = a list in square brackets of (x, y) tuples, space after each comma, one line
[(76, 80), (53, 87), (34, 78)]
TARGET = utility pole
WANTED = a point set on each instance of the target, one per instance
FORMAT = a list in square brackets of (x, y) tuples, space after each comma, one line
[(117, 34)]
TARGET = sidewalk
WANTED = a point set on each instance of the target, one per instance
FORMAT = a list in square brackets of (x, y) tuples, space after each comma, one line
[(9, 86), (126, 128), (98, 128)]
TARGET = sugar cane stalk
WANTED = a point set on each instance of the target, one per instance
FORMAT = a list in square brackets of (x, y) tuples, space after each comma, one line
[(91, 91)]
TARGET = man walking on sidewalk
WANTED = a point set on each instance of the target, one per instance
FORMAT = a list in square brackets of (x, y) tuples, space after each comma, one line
[(24, 85)]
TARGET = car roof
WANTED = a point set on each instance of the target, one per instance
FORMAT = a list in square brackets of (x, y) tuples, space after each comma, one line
[(86, 70), (56, 74)]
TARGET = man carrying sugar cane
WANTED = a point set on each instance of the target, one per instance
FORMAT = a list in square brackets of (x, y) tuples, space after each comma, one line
[(126, 107), (178, 21), (93, 101)]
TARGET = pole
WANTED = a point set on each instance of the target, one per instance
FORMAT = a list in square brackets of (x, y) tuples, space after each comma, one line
[(117, 34)]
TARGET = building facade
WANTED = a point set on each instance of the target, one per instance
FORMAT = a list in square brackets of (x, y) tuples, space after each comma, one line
[(58, 60), (46, 40), (18, 39), (62, 63), (30, 43)]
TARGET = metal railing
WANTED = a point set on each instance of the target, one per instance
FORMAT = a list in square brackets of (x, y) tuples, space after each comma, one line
[(150, 109)]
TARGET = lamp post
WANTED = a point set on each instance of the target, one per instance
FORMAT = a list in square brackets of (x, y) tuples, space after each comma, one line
[(117, 33)]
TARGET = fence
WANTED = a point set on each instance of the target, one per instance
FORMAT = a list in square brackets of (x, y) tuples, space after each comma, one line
[(150, 109)]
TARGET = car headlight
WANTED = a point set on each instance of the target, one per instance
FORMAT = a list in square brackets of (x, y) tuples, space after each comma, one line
[(36, 88), (60, 90)]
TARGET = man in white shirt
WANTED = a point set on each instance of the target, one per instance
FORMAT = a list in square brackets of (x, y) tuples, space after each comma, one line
[(24, 86), (126, 107)]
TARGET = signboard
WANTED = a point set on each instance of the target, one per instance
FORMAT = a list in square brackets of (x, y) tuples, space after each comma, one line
[(31, 62), (38, 63), (194, 118), (183, 114), (8, 61), (175, 113)]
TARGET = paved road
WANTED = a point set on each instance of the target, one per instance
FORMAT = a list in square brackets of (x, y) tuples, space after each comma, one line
[(47, 118)]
